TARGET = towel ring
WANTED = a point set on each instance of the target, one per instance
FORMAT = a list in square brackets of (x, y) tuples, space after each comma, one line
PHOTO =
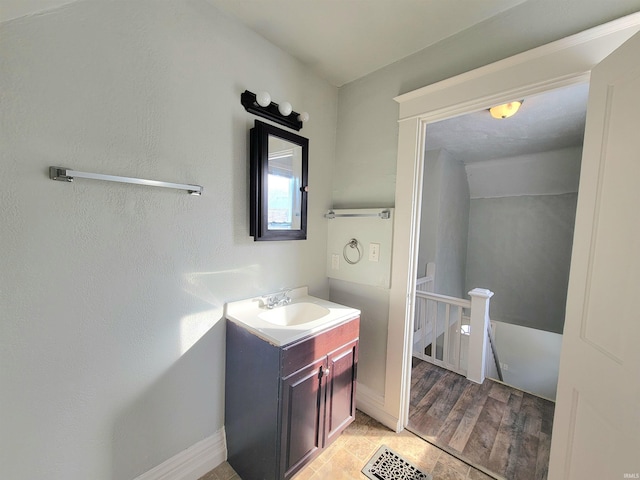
[(353, 243)]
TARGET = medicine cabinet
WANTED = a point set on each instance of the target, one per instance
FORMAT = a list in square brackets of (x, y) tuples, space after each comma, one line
[(279, 165)]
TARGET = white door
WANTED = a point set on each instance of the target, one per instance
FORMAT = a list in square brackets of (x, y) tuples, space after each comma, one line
[(596, 432)]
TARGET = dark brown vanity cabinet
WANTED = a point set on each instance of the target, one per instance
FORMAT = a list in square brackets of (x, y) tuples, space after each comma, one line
[(284, 405)]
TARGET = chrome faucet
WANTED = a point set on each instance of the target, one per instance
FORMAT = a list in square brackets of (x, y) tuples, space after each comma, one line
[(277, 299)]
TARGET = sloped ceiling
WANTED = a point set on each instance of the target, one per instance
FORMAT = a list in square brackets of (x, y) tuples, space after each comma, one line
[(343, 40)]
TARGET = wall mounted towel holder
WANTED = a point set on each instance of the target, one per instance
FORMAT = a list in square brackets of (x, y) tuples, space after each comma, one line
[(65, 175), (384, 214), (354, 244)]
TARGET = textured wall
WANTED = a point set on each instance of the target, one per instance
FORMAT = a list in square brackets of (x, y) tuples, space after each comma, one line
[(367, 141), (520, 248), (367, 114), (532, 358), (444, 222), (453, 224), (429, 212), (111, 295), (373, 302), (546, 173)]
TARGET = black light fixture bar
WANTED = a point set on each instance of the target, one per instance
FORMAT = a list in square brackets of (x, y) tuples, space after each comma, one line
[(271, 112)]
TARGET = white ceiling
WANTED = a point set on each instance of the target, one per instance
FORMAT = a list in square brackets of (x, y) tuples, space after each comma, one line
[(343, 40), (545, 122)]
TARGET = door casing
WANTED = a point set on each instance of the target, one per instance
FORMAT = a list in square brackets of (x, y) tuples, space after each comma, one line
[(566, 62)]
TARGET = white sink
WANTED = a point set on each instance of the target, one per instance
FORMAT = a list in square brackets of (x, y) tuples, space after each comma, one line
[(305, 315), (295, 314)]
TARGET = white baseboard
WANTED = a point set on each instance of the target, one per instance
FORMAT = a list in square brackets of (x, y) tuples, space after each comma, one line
[(192, 463), (372, 403)]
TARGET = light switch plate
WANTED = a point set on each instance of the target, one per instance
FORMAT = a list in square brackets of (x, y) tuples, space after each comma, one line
[(374, 252)]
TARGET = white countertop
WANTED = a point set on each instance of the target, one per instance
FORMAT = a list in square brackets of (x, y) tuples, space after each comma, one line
[(246, 313)]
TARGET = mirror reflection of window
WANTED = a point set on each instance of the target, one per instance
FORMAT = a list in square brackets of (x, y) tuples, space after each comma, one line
[(285, 174), (279, 163)]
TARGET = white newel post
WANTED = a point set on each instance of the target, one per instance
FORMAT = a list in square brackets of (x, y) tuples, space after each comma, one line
[(478, 338)]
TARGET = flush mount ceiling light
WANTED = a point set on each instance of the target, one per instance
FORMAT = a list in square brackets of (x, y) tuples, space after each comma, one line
[(506, 110)]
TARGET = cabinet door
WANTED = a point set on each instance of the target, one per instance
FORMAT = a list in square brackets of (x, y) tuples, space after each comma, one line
[(341, 390), (303, 401)]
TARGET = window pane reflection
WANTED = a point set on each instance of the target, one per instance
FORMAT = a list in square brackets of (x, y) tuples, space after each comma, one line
[(284, 196)]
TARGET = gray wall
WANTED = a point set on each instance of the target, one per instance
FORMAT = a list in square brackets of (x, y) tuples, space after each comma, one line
[(530, 358), (444, 222), (373, 302), (429, 210), (366, 148), (520, 248), (544, 173), (111, 296), (364, 173)]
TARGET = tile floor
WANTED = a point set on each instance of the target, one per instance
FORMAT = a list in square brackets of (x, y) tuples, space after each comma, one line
[(344, 459)]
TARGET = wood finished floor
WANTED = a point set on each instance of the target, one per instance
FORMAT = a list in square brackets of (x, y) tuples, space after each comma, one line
[(494, 426)]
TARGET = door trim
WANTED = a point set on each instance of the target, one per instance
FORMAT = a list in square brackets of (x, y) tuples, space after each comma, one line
[(562, 63)]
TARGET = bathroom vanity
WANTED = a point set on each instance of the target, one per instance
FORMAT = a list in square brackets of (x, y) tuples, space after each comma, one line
[(290, 385)]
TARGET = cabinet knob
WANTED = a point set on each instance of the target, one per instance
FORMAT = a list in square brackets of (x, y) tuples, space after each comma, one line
[(326, 372)]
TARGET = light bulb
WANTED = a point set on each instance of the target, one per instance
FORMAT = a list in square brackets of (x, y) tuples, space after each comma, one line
[(285, 108), (303, 117), (505, 111), (263, 99)]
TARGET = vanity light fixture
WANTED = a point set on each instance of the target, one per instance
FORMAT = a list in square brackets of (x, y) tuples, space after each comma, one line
[(506, 110), (261, 104)]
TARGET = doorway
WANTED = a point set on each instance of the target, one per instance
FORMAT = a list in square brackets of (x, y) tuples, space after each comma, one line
[(498, 212), (559, 64)]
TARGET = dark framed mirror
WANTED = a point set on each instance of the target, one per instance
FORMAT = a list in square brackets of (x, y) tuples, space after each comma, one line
[(279, 162)]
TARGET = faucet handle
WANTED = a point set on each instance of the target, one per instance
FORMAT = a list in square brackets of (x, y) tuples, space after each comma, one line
[(276, 299)]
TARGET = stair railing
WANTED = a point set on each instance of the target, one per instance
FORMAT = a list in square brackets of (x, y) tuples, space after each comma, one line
[(441, 327), (439, 331), (494, 351)]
